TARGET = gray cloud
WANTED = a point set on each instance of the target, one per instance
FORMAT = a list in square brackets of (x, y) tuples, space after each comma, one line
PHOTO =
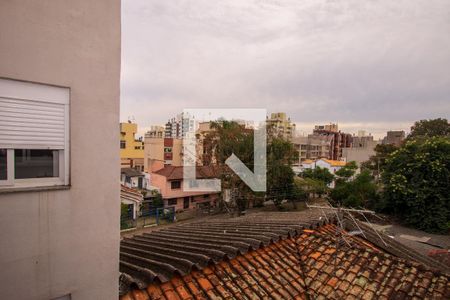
[(373, 65)]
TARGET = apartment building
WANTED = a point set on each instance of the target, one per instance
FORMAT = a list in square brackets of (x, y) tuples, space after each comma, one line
[(131, 149), (339, 140), (362, 140), (203, 144), (162, 151), (156, 131), (363, 147), (280, 125), (312, 147), (59, 194), (394, 137), (178, 126)]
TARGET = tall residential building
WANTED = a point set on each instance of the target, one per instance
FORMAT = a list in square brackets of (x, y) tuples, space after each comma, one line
[(59, 137), (394, 137), (329, 127), (363, 147), (178, 127), (339, 140), (160, 152), (203, 144), (361, 140), (156, 131), (312, 147), (280, 125), (131, 149)]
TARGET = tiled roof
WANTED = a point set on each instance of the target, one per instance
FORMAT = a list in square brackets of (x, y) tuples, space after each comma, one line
[(334, 163), (274, 257), (361, 272), (130, 172), (176, 172), (269, 272), (127, 193)]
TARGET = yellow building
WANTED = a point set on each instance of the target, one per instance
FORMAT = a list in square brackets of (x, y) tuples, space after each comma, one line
[(280, 125), (131, 149)]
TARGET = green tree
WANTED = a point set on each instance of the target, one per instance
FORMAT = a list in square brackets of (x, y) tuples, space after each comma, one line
[(157, 200), (417, 182), (300, 193), (314, 187), (359, 192), (375, 164), (228, 137), (424, 129), (280, 176), (347, 171), (318, 173)]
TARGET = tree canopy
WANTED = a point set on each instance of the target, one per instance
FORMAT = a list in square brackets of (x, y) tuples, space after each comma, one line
[(359, 192), (280, 176), (311, 186), (416, 181), (228, 137), (318, 173), (347, 171), (430, 128), (376, 163)]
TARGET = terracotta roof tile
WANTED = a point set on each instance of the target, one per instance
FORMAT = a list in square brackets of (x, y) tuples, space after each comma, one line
[(176, 172), (273, 258)]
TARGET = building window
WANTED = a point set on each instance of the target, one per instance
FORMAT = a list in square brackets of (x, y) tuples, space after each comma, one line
[(175, 184), (34, 135), (123, 144), (3, 160), (172, 202), (30, 163)]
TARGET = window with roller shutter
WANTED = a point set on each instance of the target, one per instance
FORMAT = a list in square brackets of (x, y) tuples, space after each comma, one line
[(34, 134)]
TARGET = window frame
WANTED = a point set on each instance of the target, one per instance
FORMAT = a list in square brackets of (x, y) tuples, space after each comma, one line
[(173, 182), (9, 170), (38, 93)]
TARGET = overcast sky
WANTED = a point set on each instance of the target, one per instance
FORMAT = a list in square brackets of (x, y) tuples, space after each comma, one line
[(372, 65)]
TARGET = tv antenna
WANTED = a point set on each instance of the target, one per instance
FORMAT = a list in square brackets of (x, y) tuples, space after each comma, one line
[(343, 238), (346, 214)]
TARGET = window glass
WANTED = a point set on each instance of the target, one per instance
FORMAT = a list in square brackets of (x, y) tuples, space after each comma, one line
[(36, 163), (3, 169), (175, 185)]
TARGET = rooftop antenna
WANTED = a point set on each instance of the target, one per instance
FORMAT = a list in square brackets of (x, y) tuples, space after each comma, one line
[(343, 214), (348, 212), (342, 237)]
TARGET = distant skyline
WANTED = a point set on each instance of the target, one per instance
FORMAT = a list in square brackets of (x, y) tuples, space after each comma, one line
[(366, 65)]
